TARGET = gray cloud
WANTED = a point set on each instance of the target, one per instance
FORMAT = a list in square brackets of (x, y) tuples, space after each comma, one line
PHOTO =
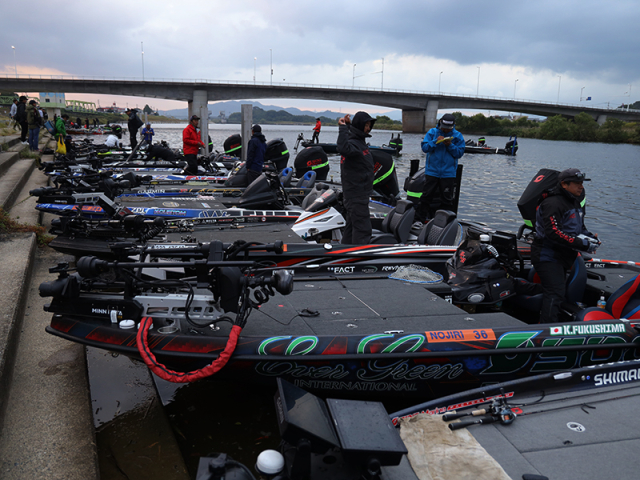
[(219, 39)]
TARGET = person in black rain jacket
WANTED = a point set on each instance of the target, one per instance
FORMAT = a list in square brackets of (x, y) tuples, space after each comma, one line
[(356, 173), (255, 153), (559, 235)]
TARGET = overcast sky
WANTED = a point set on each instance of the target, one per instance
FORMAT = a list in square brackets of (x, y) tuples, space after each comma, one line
[(552, 48)]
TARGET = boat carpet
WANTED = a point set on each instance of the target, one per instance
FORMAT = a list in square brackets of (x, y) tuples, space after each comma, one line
[(609, 278), (588, 438), (254, 232), (362, 307)]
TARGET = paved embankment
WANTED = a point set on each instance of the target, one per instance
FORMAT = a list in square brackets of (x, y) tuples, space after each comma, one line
[(48, 430), (46, 422), (45, 411)]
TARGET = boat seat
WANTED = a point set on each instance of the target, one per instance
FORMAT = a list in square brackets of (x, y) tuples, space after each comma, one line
[(575, 286), (623, 303), (396, 226), (442, 229), (285, 176), (308, 180), (317, 190)]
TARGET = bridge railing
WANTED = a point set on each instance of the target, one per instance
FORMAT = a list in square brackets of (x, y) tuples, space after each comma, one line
[(200, 81)]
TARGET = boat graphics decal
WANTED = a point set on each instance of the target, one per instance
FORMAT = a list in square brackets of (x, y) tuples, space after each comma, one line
[(461, 335), (587, 329), (623, 376), (374, 375), (509, 364), (374, 362)]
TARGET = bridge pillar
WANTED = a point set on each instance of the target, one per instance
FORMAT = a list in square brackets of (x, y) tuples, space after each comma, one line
[(432, 114), (601, 119), (413, 121), (419, 121), (199, 106)]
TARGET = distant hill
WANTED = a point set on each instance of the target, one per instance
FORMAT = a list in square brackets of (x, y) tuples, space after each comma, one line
[(233, 106)]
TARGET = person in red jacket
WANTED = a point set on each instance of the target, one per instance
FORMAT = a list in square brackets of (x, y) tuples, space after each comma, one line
[(191, 145), (316, 131)]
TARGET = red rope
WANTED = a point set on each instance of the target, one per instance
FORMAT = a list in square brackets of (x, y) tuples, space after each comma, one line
[(182, 377)]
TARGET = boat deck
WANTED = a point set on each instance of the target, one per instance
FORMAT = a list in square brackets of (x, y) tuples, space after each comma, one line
[(353, 307), (589, 437)]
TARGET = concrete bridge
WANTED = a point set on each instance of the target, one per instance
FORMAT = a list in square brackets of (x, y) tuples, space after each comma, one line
[(419, 109)]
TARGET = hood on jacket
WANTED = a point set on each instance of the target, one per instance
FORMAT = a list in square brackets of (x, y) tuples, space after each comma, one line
[(360, 118), (260, 137)]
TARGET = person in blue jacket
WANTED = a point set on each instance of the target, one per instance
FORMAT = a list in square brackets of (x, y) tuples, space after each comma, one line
[(444, 145), (560, 234)]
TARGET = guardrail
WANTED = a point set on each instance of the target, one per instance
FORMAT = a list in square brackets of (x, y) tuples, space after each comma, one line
[(304, 85)]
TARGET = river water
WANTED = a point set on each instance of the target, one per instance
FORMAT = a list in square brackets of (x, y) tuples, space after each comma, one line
[(240, 420), (492, 184)]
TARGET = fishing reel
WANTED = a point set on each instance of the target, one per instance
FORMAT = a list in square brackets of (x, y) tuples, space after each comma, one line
[(500, 411)]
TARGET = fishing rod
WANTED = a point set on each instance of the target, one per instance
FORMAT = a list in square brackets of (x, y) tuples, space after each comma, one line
[(506, 413)]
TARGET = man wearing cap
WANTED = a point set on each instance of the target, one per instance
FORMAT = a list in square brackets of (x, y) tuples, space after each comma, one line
[(559, 235), (191, 144), (444, 145), (255, 153), (134, 123), (356, 174)]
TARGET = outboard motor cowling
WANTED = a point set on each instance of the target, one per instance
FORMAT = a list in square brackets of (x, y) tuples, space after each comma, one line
[(278, 153), (396, 143), (385, 179), (511, 147), (415, 184), (233, 145), (312, 158)]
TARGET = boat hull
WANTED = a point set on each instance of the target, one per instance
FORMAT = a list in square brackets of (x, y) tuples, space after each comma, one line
[(418, 364)]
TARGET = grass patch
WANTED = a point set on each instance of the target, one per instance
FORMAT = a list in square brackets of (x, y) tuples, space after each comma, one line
[(9, 225)]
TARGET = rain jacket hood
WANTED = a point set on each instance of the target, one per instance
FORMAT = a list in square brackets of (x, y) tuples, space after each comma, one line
[(359, 119)]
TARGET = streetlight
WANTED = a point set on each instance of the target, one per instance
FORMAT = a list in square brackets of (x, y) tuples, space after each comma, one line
[(382, 77), (271, 64), (478, 89), (514, 88), (14, 59), (353, 80), (142, 50), (254, 69), (439, 79), (559, 80), (629, 101), (581, 90)]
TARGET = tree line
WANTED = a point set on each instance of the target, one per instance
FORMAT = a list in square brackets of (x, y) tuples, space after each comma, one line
[(282, 117), (581, 128)]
